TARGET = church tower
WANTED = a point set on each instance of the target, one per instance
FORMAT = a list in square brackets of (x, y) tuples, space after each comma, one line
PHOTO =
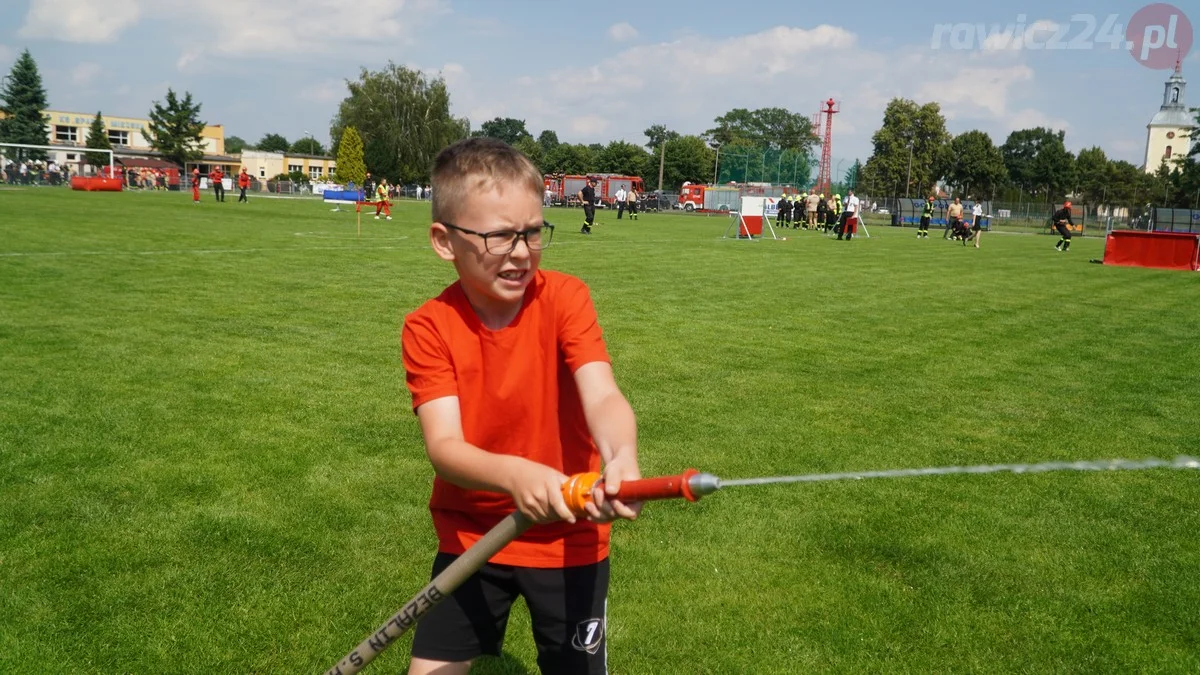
[(1168, 133)]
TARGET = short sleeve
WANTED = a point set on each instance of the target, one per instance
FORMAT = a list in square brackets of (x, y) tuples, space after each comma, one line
[(579, 333), (428, 368)]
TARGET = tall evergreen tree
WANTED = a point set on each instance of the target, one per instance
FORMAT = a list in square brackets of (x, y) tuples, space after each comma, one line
[(98, 138), (23, 102), (350, 166), (175, 129)]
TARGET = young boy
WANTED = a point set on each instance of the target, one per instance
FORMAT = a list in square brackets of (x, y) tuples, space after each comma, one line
[(514, 391)]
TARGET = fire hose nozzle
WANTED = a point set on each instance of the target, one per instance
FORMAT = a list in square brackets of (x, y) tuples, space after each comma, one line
[(690, 485)]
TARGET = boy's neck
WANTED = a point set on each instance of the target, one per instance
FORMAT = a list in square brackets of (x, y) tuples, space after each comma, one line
[(492, 315)]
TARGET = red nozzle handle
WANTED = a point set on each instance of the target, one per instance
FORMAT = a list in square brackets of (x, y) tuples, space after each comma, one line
[(664, 487)]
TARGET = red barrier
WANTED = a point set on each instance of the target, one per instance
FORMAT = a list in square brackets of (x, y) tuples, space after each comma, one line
[(751, 226), (97, 184), (1162, 250)]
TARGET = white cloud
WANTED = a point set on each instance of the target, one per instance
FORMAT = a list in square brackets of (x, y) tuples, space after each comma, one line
[(589, 125), (306, 28), (6, 53), (975, 90), (326, 91), (454, 73), (1124, 146), (1011, 38), (1026, 118), (84, 73), (622, 32), (82, 21), (790, 67), (283, 31)]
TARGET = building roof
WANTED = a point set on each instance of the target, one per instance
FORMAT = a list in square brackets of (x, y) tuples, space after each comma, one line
[(1173, 117), (144, 162)]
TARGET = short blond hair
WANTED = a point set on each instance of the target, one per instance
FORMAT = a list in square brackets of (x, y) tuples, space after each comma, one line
[(476, 165)]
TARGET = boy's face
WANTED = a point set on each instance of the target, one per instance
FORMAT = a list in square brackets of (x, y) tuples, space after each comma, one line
[(497, 278)]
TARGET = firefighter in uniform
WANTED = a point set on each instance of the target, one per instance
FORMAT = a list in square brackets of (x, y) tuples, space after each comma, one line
[(1061, 219), (784, 217), (926, 217), (835, 213), (588, 197), (368, 187)]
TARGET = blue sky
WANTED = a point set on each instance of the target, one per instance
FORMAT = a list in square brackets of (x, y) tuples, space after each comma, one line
[(600, 71)]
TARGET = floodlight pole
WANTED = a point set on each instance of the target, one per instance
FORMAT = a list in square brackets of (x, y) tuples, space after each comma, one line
[(908, 177), (662, 158)]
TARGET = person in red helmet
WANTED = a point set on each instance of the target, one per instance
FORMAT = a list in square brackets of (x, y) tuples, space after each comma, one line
[(1061, 219)]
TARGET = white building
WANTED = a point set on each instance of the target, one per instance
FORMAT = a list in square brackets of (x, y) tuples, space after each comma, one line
[(1168, 134)]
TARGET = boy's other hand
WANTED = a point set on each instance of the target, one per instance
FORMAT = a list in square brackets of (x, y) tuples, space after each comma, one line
[(604, 508), (537, 491)]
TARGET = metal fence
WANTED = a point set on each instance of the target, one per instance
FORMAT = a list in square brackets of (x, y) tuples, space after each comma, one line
[(1175, 220), (1023, 217)]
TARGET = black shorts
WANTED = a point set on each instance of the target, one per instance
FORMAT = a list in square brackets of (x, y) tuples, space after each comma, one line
[(567, 607)]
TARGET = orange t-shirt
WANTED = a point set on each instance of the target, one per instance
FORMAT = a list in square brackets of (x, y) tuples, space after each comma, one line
[(517, 395)]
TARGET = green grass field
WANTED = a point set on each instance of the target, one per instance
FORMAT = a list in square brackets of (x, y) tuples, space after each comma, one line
[(208, 462)]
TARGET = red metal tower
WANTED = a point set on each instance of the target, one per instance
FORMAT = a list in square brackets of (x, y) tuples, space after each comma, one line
[(824, 179)]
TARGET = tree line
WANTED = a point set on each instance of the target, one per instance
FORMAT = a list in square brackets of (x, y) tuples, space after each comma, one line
[(913, 153), (402, 118)]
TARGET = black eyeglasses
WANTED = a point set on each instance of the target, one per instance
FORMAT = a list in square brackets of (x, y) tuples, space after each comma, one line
[(503, 242)]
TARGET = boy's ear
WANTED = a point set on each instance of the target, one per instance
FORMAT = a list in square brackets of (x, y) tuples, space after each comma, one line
[(439, 237)]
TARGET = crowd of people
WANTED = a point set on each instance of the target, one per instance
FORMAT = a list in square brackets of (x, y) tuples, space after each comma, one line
[(815, 211), (36, 172), (146, 179)]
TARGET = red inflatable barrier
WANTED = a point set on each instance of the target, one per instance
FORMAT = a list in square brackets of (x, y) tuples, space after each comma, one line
[(97, 184), (1161, 250)]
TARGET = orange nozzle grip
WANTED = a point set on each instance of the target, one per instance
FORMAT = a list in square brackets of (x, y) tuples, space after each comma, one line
[(665, 487), (577, 491)]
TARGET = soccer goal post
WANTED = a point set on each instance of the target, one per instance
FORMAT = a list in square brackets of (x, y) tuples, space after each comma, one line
[(60, 148)]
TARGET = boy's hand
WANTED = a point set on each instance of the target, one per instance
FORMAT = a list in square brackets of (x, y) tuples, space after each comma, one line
[(537, 491), (604, 508)]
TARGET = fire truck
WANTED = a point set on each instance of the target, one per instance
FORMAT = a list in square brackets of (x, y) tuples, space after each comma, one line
[(719, 198), (565, 189), (708, 198)]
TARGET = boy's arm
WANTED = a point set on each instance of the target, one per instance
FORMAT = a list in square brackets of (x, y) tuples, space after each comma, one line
[(535, 488), (611, 421)]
